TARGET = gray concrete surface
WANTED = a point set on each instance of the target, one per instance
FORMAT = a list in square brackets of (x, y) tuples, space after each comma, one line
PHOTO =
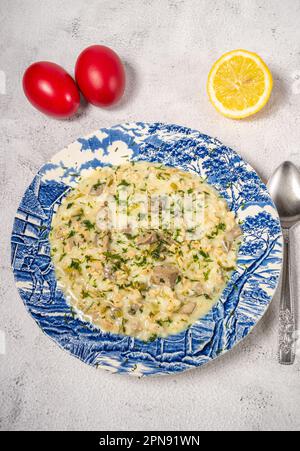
[(168, 47)]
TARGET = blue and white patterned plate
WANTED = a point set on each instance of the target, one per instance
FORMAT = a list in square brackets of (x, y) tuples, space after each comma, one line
[(243, 302)]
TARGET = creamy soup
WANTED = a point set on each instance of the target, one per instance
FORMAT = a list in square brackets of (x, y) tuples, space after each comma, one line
[(140, 268)]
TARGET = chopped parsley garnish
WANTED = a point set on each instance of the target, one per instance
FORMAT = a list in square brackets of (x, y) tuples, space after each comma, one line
[(205, 255), (62, 256), (141, 262), (88, 224), (97, 185), (217, 229), (124, 183), (69, 205), (116, 258), (117, 198), (163, 176), (89, 258), (157, 251), (75, 264), (79, 214), (164, 322), (206, 275), (72, 233), (177, 234), (113, 256), (227, 268)]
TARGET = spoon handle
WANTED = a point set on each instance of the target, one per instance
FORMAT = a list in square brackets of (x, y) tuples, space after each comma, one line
[(287, 324)]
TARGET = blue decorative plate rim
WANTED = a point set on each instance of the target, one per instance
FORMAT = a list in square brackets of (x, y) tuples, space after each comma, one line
[(244, 300)]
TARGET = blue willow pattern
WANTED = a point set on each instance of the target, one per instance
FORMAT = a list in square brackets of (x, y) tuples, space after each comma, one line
[(244, 300)]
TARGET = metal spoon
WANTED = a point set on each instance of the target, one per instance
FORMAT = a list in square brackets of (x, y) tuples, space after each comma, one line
[(284, 187)]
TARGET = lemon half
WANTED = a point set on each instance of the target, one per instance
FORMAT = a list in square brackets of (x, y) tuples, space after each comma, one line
[(239, 84)]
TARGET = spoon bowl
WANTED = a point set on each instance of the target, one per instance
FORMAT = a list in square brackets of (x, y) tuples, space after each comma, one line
[(284, 187)]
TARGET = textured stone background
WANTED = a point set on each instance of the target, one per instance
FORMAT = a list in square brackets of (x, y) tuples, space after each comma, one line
[(168, 47)]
